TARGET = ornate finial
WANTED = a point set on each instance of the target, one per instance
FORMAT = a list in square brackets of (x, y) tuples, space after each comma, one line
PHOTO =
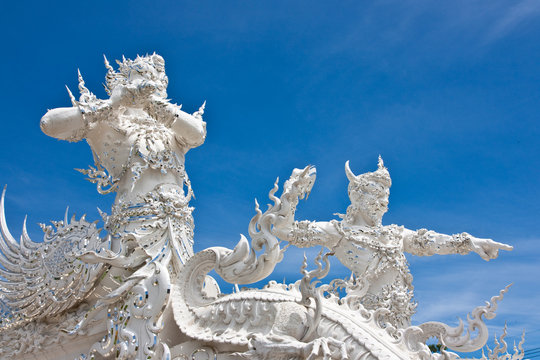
[(71, 97), (82, 89), (109, 76), (103, 215), (107, 65), (199, 113), (381, 162)]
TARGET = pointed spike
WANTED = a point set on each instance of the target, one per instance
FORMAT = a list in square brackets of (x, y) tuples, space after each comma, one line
[(103, 214), (107, 64), (106, 88), (79, 77), (27, 245), (25, 239), (380, 163), (199, 113), (82, 88), (71, 97), (7, 237), (66, 216)]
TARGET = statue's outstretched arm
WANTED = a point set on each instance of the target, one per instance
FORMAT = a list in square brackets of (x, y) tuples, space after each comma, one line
[(64, 124), (310, 233), (427, 242)]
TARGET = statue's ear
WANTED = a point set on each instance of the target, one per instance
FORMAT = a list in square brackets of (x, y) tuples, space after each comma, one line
[(63, 123)]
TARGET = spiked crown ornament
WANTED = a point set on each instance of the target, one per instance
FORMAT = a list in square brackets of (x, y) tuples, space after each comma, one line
[(377, 181), (151, 67)]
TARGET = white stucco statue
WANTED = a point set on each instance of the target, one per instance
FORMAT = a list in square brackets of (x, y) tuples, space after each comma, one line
[(138, 140), (138, 291), (375, 252)]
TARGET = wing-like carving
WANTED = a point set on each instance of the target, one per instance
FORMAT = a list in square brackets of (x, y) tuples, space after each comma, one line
[(459, 339), (40, 279), (242, 265)]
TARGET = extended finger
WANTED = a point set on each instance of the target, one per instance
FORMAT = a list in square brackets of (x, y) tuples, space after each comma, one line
[(505, 246)]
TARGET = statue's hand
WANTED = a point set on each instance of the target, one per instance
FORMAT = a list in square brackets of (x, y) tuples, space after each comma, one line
[(297, 187), (132, 94), (487, 248)]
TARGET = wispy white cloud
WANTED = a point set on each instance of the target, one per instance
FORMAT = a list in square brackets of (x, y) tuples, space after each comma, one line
[(425, 29), (512, 17)]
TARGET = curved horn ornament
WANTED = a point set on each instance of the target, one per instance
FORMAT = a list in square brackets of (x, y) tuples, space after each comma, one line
[(348, 172)]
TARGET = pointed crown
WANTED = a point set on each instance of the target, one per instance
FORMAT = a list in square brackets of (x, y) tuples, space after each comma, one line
[(378, 180), (151, 67)]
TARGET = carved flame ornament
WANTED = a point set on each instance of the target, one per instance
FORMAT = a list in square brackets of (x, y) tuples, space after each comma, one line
[(136, 290)]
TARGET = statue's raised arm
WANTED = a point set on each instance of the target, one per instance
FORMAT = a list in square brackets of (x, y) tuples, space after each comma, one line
[(136, 290), (140, 83), (138, 140), (137, 133)]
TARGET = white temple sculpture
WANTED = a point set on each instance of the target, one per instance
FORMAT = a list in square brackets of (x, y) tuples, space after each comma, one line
[(136, 290)]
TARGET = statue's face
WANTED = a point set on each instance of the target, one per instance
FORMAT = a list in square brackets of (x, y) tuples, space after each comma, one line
[(371, 202), (146, 76)]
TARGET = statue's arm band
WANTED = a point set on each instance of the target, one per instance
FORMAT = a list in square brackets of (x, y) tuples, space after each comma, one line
[(425, 243), (305, 234)]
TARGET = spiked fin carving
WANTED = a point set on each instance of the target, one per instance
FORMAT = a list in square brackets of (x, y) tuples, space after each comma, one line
[(459, 339), (38, 280)]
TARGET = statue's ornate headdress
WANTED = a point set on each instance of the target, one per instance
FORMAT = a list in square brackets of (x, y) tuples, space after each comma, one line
[(151, 67), (376, 181)]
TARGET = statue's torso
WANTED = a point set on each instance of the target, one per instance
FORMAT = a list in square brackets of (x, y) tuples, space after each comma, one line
[(146, 161), (382, 278), (138, 151)]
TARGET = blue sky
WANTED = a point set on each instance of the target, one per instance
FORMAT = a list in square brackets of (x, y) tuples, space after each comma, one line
[(447, 93)]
